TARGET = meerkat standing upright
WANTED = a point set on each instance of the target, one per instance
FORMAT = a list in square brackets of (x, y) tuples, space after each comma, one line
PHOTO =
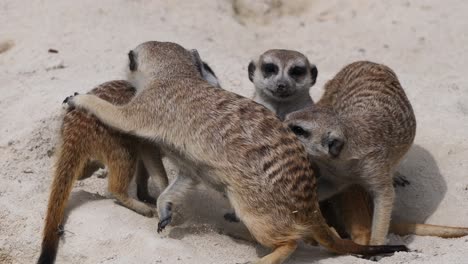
[(357, 133), (282, 80), (87, 144), (236, 146)]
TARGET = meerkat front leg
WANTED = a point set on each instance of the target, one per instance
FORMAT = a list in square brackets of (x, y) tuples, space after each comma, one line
[(171, 195), (383, 205), (114, 116), (152, 160)]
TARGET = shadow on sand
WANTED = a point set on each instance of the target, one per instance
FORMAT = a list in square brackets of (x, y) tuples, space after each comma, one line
[(421, 198)]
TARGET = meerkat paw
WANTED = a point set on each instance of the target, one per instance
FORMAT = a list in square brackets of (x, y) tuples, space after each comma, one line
[(165, 216), (231, 217), (145, 211), (69, 103), (400, 180), (101, 173), (146, 198), (149, 212)]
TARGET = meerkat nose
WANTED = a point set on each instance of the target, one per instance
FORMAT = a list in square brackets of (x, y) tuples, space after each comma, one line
[(281, 86)]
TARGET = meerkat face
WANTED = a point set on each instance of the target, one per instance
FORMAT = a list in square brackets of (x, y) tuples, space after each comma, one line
[(281, 74), (154, 59), (319, 131)]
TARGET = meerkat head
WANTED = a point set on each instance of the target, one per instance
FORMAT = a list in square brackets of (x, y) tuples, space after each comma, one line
[(319, 130), (157, 60), (281, 74)]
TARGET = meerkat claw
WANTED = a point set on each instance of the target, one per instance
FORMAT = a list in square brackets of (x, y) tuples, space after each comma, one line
[(231, 217), (163, 223), (68, 102), (400, 180), (165, 216)]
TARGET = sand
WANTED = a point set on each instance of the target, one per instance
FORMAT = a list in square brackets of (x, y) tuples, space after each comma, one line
[(425, 42)]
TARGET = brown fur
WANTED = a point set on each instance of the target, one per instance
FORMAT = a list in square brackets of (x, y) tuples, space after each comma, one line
[(364, 79), (354, 214), (358, 132), (84, 138), (235, 145), (86, 143)]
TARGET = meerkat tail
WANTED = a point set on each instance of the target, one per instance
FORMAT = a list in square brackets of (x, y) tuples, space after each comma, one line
[(326, 238), (403, 229), (68, 168)]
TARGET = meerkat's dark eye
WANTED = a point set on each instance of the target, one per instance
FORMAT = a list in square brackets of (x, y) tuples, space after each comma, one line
[(297, 71), (269, 69), (299, 131)]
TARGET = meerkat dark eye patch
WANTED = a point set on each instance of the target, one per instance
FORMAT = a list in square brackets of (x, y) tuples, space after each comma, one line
[(132, 65), (297, 71), (299, 131), (269, 69)]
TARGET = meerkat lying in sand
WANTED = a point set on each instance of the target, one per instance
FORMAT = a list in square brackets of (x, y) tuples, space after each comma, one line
[(229, 140)]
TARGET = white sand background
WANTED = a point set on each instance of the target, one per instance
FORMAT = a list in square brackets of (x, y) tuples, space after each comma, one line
[(425, 42)]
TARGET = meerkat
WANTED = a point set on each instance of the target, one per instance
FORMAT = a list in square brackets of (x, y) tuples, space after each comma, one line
[(229, 142), (352, 216), (357, 133), (282, 79), (87, 144)]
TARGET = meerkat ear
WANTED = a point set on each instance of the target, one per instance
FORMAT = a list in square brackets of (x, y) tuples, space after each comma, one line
[(132, 62), (335, 145), (209, 75), (251, 70), (197, 60), (313, 73)]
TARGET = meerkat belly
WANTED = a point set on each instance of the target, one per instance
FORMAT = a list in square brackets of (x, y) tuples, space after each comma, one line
[(338, 173), (199, 172)]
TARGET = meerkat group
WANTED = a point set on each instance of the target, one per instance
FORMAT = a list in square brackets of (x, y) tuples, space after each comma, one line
[(276, 69), (233, 145)]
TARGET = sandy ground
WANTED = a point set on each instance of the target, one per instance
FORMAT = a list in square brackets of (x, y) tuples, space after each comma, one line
[(425, 42)]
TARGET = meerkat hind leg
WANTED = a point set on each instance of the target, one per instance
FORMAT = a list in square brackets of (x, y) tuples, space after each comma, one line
[(171, 195), (120, 176), (356, 213), (279, 254), (142, 177), (90, 168)]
